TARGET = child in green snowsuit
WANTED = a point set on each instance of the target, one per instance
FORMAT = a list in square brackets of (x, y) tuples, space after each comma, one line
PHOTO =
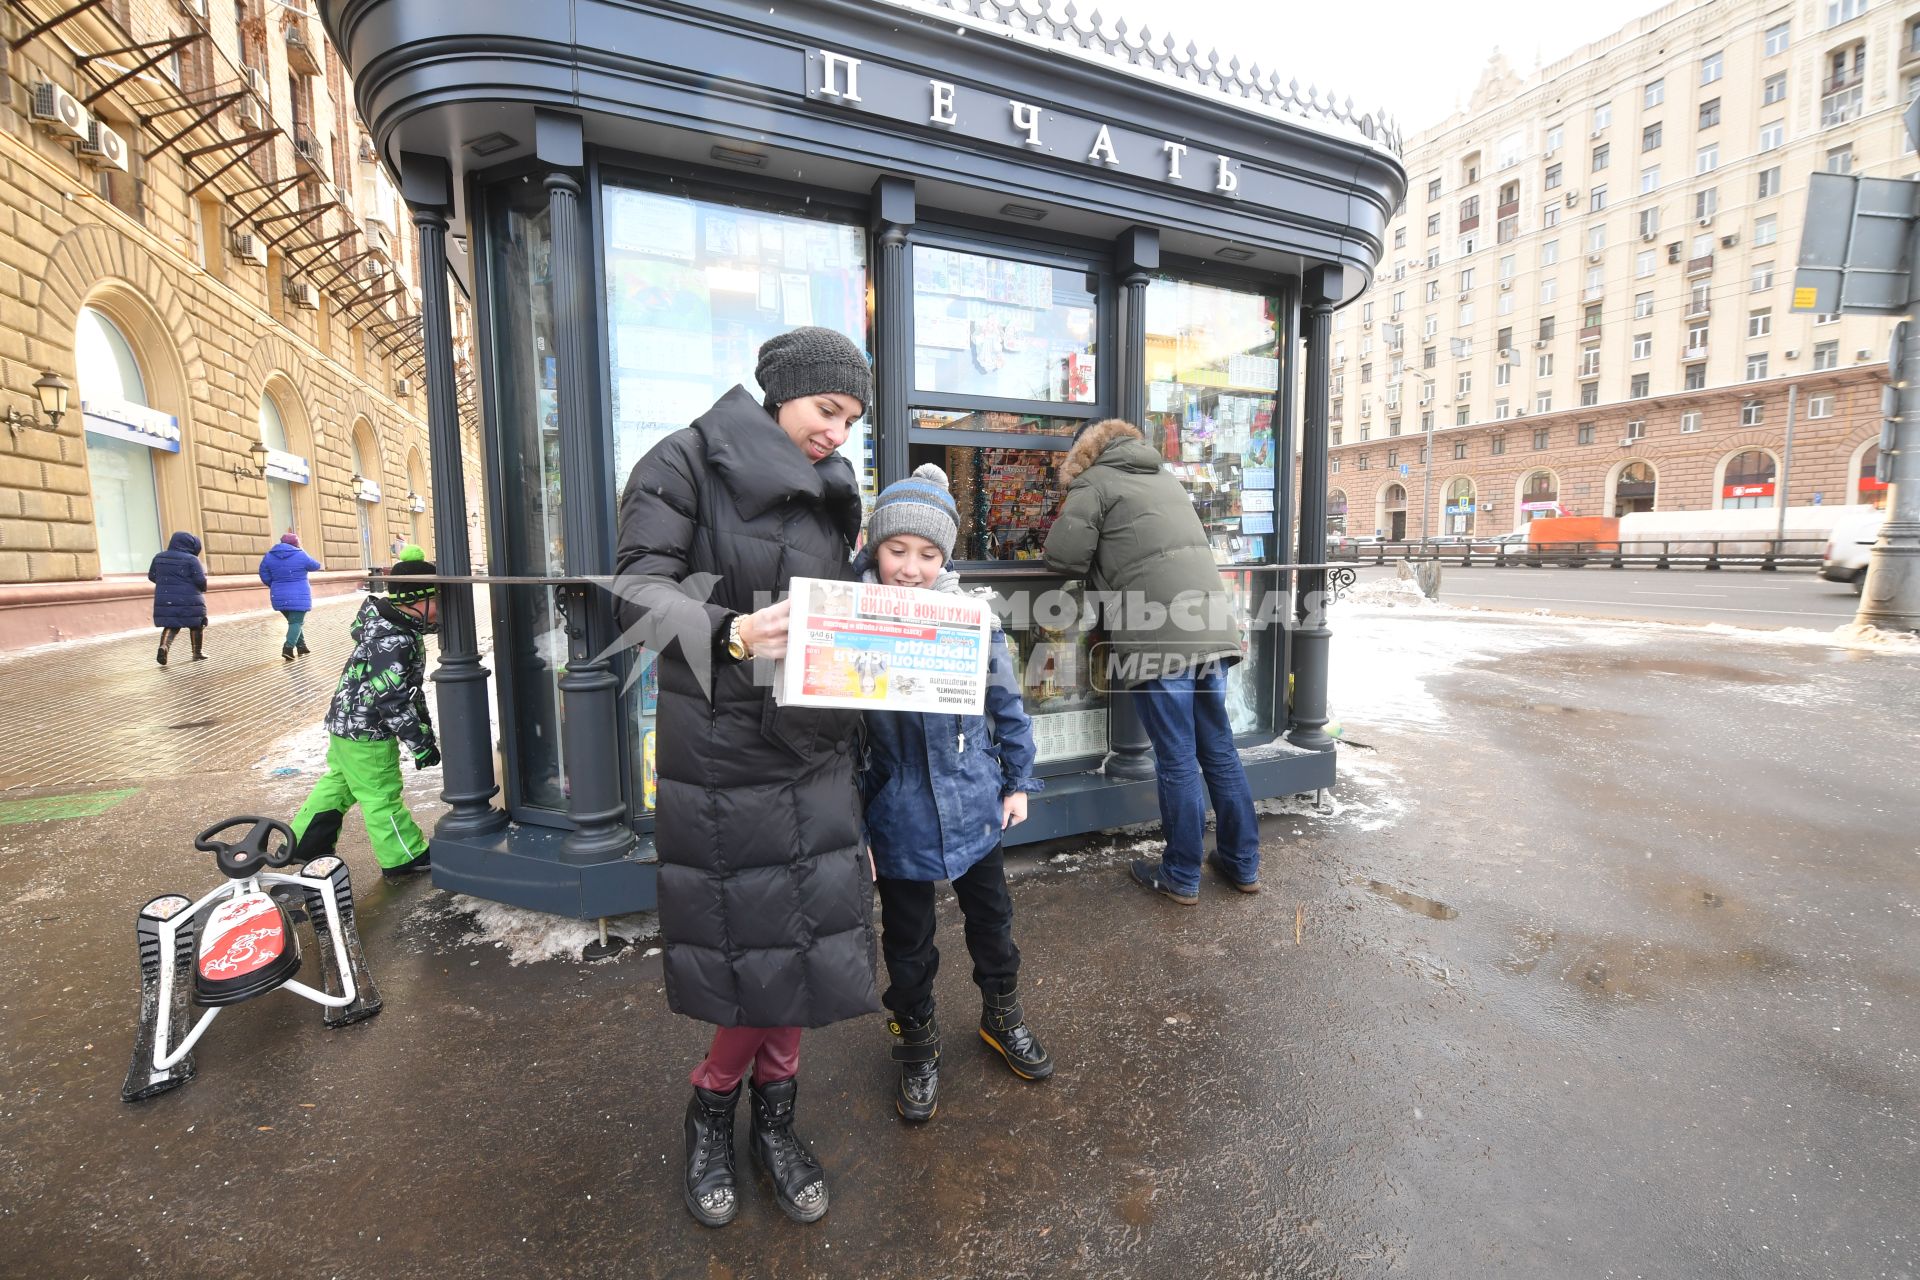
[(379, 706)]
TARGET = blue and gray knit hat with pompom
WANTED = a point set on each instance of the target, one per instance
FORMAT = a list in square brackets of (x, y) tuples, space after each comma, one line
[(919, 504)]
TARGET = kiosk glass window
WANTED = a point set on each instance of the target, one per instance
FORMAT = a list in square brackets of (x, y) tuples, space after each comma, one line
[(126, 505), (273, 434), (694, 286), (1000, 329), (532, 655)]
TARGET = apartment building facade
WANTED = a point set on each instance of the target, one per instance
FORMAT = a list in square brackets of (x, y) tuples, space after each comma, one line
[(197, 239), (1587, 295)]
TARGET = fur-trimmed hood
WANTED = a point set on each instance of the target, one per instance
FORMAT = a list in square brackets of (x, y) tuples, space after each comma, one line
[(1092, 443)]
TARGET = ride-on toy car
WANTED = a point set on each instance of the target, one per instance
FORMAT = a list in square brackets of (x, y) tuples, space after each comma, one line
[(247, 946)]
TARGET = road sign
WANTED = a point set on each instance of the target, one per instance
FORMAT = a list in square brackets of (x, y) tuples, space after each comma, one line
[(1853, 245), (1403, 469)]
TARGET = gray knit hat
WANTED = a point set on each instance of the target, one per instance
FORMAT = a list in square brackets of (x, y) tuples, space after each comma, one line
[(809, 360), (919, 504)]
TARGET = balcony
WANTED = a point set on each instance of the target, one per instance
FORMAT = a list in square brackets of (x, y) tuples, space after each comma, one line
[(1590, 331), (1696, 353), (1696, 265), (301, 59), (1697, 307), (1469, 224), (1839, 108)]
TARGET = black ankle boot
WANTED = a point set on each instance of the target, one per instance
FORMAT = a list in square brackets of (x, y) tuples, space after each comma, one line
[(160, 655), (709, 1190), (799, 1184), (918, 1053), (286, 652), (1004, 1027), (302, 649)]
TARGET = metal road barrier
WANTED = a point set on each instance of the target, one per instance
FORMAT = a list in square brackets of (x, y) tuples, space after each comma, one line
[(1669, 553)]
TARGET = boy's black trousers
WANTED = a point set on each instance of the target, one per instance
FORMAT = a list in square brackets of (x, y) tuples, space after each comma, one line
[(907, 926)]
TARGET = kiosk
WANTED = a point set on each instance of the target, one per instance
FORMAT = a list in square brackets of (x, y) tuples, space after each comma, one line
[(1030, 218)]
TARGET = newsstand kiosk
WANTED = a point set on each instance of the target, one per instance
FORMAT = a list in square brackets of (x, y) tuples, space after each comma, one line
[(1029, 219)]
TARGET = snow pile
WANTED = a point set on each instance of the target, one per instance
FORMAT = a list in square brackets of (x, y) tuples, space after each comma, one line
[(1390, 593), (531, 936), (1853, 637), (302, 751)]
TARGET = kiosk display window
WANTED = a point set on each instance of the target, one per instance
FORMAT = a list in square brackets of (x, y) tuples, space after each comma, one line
[(1213, 375), (1004, 329)]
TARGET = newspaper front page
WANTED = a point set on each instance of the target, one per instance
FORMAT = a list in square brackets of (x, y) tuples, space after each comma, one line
[(879, 648)]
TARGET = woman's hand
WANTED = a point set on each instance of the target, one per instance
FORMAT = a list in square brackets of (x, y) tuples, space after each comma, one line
[(1013, 810), (766, 631)]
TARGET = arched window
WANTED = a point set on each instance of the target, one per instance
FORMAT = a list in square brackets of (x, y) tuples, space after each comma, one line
[(1393, 512), (1867, 485), (122, 434), (1459, 510), (273, 434), (1634, 490), (1748, 481), (1539, 496), (418, 521), (1337, 511)]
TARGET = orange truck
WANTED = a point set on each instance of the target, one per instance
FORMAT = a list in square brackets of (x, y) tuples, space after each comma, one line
[(1554, 530)]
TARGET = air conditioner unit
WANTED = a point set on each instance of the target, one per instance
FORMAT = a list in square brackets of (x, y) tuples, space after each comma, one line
[(1598, 133), (1366, 324), (248, 109), (1863, 354), (1648, 237), (1673, 253), (103, 148), (1625, 441), (1727, 242), (1466, 295), (402, 387), (1706, 221), (367, 154), (379, 236), (59, 111), (1506, 286), (302, 294), (1793, 354), (256, 82), (250, 247), (1573, 199), (1539, 344), (1595, 259)]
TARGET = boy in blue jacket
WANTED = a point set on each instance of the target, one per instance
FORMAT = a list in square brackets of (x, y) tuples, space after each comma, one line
[(939, 790)]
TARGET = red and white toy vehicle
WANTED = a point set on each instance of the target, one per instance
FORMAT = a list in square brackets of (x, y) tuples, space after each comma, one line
[(247, 946)]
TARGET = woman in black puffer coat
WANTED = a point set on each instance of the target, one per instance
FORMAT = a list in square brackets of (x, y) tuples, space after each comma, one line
[(765, 888), (179, 594)]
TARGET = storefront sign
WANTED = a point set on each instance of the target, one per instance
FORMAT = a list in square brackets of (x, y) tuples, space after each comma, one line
[(1747, 490), (135, 423), (290, 467), (1461, 508), (1539, 506), (915, 98), (369, 491)]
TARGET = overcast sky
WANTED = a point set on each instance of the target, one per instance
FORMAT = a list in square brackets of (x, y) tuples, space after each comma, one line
[(1415, 60)]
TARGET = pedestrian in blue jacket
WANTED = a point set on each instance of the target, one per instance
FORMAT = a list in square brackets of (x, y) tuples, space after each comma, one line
[(939, 791), (179, 594), (284, 569)]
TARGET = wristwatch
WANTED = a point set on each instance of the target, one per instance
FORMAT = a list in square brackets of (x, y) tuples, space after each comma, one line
[(736, 642)]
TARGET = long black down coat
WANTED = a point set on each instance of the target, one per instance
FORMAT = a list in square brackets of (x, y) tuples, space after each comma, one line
[(179, 584), (765, 899)]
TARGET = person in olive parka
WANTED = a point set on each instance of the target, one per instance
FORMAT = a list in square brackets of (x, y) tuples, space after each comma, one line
[(765, 889)]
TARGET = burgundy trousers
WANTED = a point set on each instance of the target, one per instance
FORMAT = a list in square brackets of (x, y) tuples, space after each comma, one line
[(772, 1052)]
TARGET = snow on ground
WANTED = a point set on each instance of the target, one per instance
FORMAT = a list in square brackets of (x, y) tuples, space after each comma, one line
[(531, 936)]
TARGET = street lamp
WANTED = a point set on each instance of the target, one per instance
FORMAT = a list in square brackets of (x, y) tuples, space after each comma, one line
[(53, 392), (257, 464)]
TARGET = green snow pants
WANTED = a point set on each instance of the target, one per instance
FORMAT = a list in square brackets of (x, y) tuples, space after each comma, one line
[(366, 774)]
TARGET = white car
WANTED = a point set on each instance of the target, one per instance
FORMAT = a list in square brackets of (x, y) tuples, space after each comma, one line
[(1849, 545)]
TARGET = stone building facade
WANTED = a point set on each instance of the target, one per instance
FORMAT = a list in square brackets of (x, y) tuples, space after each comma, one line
[(1588, 294), (197, 237)]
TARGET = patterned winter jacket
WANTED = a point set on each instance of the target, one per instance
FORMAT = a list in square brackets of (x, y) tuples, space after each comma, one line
[(381, 692)]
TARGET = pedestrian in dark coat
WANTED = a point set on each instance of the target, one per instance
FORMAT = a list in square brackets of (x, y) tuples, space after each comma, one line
[(1129, 528), (765, 897), (940, 790), (284, 569), (179, 594)]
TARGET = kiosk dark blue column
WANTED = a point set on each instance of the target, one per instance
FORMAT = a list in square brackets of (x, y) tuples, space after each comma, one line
[(460, 681), (1136, 256), (892, 217), (1311, 638), (587, 691)]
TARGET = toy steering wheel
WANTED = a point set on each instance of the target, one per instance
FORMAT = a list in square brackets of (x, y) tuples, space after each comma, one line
[(239, 859)]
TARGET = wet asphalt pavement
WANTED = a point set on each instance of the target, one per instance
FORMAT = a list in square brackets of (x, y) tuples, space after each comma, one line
[(1606, 966)]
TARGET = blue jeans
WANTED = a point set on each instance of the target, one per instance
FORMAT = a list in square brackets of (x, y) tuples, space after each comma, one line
[(1186, 719)]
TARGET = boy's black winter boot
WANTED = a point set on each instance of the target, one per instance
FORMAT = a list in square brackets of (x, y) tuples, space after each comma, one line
[(709, 1191), (917, 1050), (799, 1184), (1003, 1025)]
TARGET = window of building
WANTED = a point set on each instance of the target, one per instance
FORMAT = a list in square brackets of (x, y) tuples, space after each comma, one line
[(1597, 238), (1637, 388), (1430, 326), (1509, 265), (1366, 373), (1502, 374), (1433, 259), (1649, 183), (1637, 429), (1549, 287), (1842, 95), (1839, 11), (1553, 176), (1644, 263), (1773, 135), (1773, 89), (1820, 406), (1642, 305), (1556, 138), (1433, 224), (1543, 402), (1696, 377), (1777, 39), (1468, 244), (1546, 328), (1399, 237), (1497, 445), (1699, 297), (1766, 230), (1433, 291), (1334, 464), (1508, 229), (1707, 159), (1543, 365), (1696, 337), (1589, 394), (1583, 434), (1433, 190), (1595, 282), (1589, 362), (1459, 449), (1642, 346), (1826, 355), (1463, 384), (1426, 420), (1602, 154), (1591, 321), (1426, 391), (1603, 115), (1501, 411), (1712, 67), (1689, 422), (1706, 203), (1825, 317), (1466, 279), (1760, 323), (1469, 210), (1767, 183), (1550, 216), (1762, 277), (1540, 438), (1466, 314), (1747, 481), (1597, 199), (1549, 253), (1756, 366), (1840, 160), (1752, 413), (1650, 137), (120, 438)]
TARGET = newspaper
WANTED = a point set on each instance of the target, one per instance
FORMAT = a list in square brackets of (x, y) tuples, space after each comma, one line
[(878, 648)]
